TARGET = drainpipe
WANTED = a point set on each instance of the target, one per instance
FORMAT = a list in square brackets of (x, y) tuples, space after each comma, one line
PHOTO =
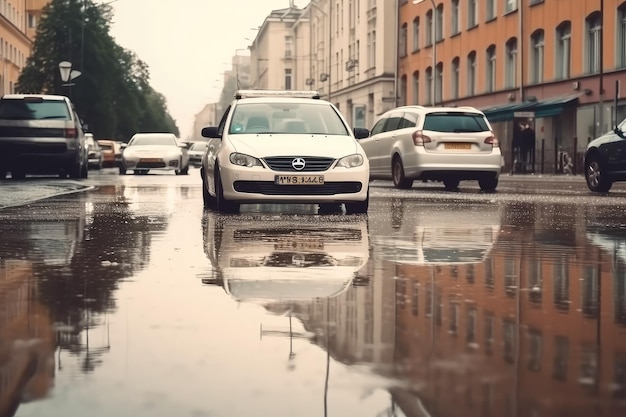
[(601, 69), (397, 56), (520, 51)]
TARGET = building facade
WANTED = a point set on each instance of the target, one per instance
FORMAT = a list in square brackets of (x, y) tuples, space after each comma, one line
[(554, 62), (18, 24)]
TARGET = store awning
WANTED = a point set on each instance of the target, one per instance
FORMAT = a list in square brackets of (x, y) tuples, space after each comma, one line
[(505, 112), (554, 106)]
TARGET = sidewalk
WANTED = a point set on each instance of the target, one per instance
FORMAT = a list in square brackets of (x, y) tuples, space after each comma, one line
[(542, 177), (14, 194)]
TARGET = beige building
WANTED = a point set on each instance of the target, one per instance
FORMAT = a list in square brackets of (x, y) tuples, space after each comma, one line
[(18, 23), (208, 116)]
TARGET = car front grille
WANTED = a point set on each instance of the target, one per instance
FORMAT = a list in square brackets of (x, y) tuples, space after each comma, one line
[(312, 163), (146, 165), (269, 188)]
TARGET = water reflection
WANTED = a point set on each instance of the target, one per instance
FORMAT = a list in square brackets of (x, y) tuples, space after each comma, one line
[(59, 270)]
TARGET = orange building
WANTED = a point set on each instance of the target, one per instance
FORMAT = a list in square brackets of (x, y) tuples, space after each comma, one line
[(555, 60)]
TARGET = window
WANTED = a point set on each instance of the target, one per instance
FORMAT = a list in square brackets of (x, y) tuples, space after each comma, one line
[(439, 23), (536, 42), (429, 81), (490, 10), (35, 110), (371, 46), (416, 87), (429, 28), (439, 83), (510, 5), (471, 73), (470, 329), (288, 46), (535, 350), (403, 92), (402, 44), (511, 63), (491, 68), (563, 50), (472, 13), (287, 79), (620, 56), (561, 284), (455, 17), (593, 30), (590, 291), (416, 34), (455, 78), (560, 359)]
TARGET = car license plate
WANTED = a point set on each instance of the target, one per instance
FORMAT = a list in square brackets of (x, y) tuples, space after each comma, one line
[(150, 160), (299, 246), (458, 146), (299, 179)]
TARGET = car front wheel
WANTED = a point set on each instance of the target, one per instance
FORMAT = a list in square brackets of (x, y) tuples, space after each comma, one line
[(597, 179), (358, 207), (221, 204), (397, 172)]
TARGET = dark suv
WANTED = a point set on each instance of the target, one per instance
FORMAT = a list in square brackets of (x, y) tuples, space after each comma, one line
[(41, 134)]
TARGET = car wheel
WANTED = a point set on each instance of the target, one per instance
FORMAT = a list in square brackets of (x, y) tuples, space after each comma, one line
[(597, 180), (122, 170), (358, 207), (76, 170), (451, 184), (185, 171), (18, 175), (221, 204), (488, 184), (207, 198), (84, 174), (397, 172)]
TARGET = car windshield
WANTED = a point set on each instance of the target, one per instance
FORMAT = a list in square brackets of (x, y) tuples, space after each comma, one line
[(198, 146), (316, 118), (22, 109), (455, 122), (153, 140)]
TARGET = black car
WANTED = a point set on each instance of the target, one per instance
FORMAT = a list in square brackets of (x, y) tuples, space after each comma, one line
[(605, 159)]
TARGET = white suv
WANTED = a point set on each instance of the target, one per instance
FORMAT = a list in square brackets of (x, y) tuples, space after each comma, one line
[(446, 144), (284, 147)]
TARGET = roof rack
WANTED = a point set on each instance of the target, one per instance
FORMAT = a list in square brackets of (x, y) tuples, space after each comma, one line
[(239, 94)]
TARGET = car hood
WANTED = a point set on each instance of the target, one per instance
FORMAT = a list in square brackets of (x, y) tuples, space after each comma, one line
[(151, 149), (261, 145)]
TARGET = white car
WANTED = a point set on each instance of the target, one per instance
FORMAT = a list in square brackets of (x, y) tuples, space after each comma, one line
[(284, 147), (448, 144), (148, 151), (196, 151)]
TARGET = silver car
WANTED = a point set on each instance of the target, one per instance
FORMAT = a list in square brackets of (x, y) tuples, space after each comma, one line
[(446, 144), (41, 134), (161, 151), (196, 151)]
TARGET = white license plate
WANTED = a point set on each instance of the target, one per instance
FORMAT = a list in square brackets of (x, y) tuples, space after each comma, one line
[(458, 146), (299, 246), (299, 179), (147, 160)]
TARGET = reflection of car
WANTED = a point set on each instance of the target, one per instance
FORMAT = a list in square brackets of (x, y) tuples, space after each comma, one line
[(41, 134), (94, 152), (284, 147), (446, 144), (196, 151), (417, 233), (605, 159), (147, 151), (111, 153), (268, 257)]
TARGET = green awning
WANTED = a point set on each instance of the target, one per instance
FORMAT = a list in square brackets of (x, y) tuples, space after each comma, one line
[(505, 112), (554, 106)]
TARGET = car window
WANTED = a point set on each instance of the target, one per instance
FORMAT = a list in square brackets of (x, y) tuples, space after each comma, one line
[(287, 118), (455, 122), (222, 125), (379, 126), (18, 109), (408, 120), (394, 122), (198, 146)]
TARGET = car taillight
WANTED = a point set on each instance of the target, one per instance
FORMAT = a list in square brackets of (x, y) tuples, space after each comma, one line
[(71, 133), (493, 141), (419, 138)]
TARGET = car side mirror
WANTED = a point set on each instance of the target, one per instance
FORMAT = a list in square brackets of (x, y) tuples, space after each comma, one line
[(619, 132), (124, 145), (211, 132), (361, 132)]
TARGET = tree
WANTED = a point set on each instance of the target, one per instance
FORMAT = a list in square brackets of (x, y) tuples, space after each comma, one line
[(113, 94)]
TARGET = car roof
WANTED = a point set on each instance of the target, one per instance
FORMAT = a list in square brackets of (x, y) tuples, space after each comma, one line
[(426, 109)]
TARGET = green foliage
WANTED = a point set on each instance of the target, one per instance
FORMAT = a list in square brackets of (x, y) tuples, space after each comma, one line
[(113, 93)]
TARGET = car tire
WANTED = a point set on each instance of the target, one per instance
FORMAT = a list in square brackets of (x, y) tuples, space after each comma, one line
[(76, 170), (397, 172), (122, 170), (358, 207), (597, 180), (84, 174), (488, 184), (451, 184), (18, 175), (207, 198), (221, 204)]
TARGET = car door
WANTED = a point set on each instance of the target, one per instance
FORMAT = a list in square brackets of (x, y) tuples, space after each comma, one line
[(369, 146), (386, 142)]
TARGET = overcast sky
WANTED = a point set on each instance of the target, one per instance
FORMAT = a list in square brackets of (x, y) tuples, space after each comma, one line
[(188, 44)]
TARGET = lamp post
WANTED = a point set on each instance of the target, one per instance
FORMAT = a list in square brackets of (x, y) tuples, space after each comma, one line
[(67, 75), (433, 74)]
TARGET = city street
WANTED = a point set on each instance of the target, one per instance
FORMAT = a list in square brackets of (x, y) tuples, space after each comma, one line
[(122, 296)]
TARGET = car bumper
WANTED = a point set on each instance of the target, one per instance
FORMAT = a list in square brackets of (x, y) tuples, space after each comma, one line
[(257, 185), (165, 164), (424, 165), (37, 157)]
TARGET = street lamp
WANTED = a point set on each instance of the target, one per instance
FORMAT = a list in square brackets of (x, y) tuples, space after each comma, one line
[(67, 75), (433, 73)]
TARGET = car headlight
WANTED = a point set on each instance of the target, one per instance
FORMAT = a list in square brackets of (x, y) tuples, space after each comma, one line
[(243, 160), (351, 161)]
